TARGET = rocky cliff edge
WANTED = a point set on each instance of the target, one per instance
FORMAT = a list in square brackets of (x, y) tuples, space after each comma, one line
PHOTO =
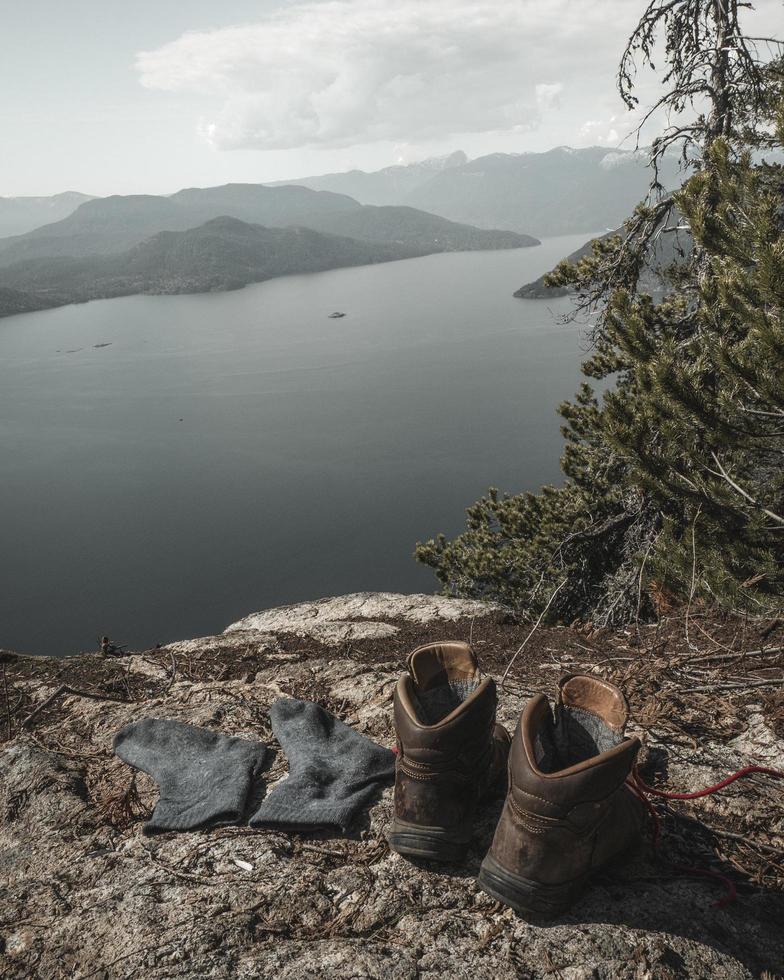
[(83, 893)]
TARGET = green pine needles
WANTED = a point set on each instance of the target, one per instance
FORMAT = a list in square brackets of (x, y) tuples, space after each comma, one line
[(674, 479)]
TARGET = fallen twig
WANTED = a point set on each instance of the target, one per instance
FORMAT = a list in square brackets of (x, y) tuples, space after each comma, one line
[(173, 673), (145, 948), (101, 754), (730, 687), (693, 576), (770, 652), (748, 841), (324, 850), (772, 627), (65, 689), (7, 704)]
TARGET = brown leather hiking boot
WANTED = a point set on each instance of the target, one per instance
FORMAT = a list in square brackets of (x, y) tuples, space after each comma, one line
[(567, 810), (450, 751)]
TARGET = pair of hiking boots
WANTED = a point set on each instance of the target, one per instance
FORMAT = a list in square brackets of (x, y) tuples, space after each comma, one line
[(567, 810)]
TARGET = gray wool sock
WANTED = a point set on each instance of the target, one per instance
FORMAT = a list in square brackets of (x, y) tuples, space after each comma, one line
[(333, 770), (204, 778)]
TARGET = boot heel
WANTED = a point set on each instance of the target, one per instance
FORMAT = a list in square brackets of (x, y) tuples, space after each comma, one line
[(524, 896), (426, 843)]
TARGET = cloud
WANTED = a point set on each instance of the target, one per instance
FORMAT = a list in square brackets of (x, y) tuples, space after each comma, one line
[(549, 96), (605, 132), (343, 72), (337, 73)]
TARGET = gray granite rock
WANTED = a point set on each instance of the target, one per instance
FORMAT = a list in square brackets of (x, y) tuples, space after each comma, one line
[(83, 893)]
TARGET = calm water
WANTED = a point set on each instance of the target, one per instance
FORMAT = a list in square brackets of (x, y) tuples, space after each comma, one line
[(233, 451)]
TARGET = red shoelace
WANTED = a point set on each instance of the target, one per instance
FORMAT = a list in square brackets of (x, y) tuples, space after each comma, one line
[(642, 790)]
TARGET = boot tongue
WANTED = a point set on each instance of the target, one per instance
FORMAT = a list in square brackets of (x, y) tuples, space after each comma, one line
[(443, 664)]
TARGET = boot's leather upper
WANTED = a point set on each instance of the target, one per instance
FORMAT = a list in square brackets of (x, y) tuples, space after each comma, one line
[(450, 749), (567, 809)]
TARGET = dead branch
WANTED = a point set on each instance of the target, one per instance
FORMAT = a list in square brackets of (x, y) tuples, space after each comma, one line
[(740, 655), (65, 689), (731, 687)]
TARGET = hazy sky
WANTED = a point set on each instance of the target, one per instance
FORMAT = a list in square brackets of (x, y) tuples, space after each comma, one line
[(123, 96)]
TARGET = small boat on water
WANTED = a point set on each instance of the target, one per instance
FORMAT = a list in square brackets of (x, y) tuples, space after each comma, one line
[(336, 315)]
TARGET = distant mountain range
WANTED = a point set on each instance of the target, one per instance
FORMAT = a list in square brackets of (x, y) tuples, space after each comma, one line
[(216, 238), (151, 243), (564, 191), (391, 185), (113, 224), (223, 253), (21, 214)]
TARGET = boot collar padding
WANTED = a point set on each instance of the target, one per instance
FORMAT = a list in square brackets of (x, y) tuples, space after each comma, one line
[(417, 714), (437, 664), (444, 676), (567, 747), (593, 696)]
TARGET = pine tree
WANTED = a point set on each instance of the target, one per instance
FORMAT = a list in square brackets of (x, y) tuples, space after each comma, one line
[(675, 474), (704, 438)]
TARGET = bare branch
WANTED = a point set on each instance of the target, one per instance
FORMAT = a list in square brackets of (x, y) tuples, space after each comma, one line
[(738, 489), (533, 630)]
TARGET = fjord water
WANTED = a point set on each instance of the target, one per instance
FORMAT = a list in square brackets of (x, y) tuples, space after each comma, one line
[(231, 451)]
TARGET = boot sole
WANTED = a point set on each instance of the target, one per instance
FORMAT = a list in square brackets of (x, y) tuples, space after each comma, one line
[(525, 896), (427, 843)]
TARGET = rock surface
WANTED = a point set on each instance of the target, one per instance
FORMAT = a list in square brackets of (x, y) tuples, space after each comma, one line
[(83, 893), (359, 616)]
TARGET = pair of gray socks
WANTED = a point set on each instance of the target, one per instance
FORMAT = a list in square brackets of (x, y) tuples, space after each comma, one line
[(206, 779)]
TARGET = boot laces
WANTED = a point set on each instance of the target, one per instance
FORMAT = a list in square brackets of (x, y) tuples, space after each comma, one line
[(643, 791)]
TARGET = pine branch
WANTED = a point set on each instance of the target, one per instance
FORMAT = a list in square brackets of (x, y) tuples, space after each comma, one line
[(747, 496)]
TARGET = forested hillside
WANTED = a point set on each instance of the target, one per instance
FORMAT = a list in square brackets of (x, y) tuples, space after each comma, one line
[(221, 254)]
